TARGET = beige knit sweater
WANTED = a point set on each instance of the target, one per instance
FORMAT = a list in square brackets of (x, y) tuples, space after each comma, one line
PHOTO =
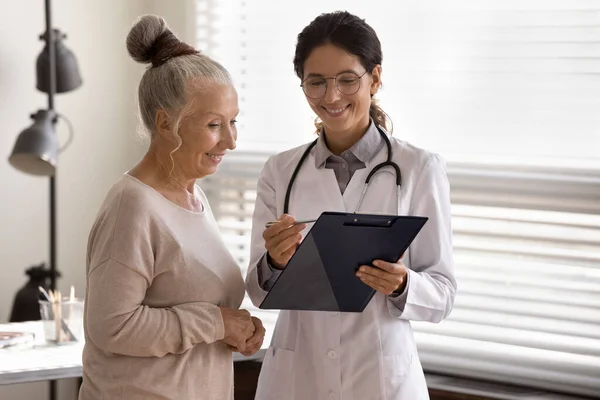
[(156, 274)]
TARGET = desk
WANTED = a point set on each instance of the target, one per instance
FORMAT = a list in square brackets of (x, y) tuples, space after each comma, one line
[(42, 362), (48, 361)]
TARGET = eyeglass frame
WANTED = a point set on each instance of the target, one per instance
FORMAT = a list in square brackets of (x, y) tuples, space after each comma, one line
[(335, 83)]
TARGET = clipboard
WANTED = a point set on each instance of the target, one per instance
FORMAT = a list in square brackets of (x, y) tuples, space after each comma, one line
[(321, 275)]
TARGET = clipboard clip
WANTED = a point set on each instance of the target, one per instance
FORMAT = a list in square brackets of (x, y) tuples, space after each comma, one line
[(369, 221)]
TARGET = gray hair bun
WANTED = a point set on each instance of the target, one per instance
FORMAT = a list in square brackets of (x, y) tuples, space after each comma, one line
[(151, 41)]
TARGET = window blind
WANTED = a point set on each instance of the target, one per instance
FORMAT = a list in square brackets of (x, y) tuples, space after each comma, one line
[(494, 78), (509, 92), (527, 255)]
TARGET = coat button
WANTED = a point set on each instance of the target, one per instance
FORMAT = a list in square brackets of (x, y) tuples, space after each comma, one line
[(332, 354)]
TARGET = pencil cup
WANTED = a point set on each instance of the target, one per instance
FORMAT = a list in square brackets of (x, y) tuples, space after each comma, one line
[(63, 320)]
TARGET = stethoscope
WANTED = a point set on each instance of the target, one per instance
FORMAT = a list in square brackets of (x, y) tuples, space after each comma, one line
[(375, 169)]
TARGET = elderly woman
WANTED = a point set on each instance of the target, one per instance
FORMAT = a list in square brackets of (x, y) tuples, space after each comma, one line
[(162, 317)]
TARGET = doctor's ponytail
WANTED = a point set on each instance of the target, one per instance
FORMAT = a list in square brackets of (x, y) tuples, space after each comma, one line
[(380, 117)]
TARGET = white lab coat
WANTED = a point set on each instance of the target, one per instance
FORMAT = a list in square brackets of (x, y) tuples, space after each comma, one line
[(369, 355)]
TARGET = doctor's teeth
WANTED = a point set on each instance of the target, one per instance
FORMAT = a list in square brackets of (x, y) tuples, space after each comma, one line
[(213, 155)]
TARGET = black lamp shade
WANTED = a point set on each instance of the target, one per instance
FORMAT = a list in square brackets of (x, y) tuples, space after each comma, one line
[(67, 71), (36, 148)]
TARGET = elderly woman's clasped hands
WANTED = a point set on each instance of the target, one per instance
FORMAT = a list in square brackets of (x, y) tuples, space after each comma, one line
[(243, 333)]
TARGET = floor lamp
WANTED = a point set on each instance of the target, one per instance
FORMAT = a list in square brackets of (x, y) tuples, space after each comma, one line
[(36, 149)]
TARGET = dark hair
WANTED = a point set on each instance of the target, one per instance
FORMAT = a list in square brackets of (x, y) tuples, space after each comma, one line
[(350, 33)]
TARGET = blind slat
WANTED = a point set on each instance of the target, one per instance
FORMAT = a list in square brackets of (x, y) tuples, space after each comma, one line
[(576, 296), (517, 337), (494, 319), (525, 307)]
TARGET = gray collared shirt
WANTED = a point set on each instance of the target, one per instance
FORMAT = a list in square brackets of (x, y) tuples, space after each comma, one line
[(344, 166)]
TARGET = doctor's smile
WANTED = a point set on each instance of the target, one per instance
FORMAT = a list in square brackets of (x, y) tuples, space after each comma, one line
[(335, 112)]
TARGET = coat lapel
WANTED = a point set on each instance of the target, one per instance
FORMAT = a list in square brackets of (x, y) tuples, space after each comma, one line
[(354, 189), (316, 191)]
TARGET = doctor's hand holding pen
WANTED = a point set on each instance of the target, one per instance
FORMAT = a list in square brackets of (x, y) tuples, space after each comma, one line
[(282, 238)]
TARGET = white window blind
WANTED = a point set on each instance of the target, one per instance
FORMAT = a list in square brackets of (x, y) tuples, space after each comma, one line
[(509, 92), (467, 78)]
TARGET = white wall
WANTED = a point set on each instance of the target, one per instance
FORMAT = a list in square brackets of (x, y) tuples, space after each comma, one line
[(103, 112), (179, 14)]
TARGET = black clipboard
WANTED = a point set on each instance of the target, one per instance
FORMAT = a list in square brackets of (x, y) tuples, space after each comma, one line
[(321, 275)]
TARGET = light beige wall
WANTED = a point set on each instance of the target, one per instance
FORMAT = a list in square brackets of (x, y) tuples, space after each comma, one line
[(180, 16), (103, 112)]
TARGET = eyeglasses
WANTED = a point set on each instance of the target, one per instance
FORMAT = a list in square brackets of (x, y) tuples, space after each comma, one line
[(347, 83)]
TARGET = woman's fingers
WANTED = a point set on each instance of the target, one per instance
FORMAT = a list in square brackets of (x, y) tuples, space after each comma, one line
[(286, 244), (281, 243), (386, 277), (239, 327), (285, 221), (378, 284), (254, 343), (378, 274), (259, 334), (273, 241)]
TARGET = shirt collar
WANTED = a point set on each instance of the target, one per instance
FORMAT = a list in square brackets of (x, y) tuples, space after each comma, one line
[(364, 149)]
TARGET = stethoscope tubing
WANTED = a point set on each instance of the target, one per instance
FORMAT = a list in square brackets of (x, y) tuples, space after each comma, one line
[(387, 163)]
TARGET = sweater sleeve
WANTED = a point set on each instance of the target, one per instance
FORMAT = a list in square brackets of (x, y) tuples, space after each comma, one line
[(126, 241), (117, 321)]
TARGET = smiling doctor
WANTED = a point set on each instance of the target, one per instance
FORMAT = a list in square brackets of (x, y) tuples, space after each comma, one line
[(351, 356)]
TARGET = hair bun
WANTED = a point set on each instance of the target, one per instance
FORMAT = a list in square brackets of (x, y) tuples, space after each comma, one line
[(151, 41), (142, 37)]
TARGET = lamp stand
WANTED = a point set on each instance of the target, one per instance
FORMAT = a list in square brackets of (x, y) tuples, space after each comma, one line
[(52, 191), (53, 269), (53, 383)]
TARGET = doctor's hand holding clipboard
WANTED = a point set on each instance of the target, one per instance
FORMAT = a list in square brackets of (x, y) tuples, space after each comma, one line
[(282, 238)]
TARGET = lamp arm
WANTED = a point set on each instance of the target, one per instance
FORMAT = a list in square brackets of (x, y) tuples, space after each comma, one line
[(71, 133)]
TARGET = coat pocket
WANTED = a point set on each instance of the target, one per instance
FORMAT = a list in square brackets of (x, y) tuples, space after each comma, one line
[(395, 368), (276, 375)]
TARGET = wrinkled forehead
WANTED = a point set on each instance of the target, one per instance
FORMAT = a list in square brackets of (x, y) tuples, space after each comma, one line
[(215, 98)]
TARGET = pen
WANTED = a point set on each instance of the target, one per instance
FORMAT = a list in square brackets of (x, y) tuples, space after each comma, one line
[(306, 221)]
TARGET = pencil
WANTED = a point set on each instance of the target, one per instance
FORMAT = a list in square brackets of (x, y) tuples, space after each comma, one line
[(71, 301)]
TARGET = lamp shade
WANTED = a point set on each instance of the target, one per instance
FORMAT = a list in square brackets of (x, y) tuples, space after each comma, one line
[(67, 71), (36, 148)]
